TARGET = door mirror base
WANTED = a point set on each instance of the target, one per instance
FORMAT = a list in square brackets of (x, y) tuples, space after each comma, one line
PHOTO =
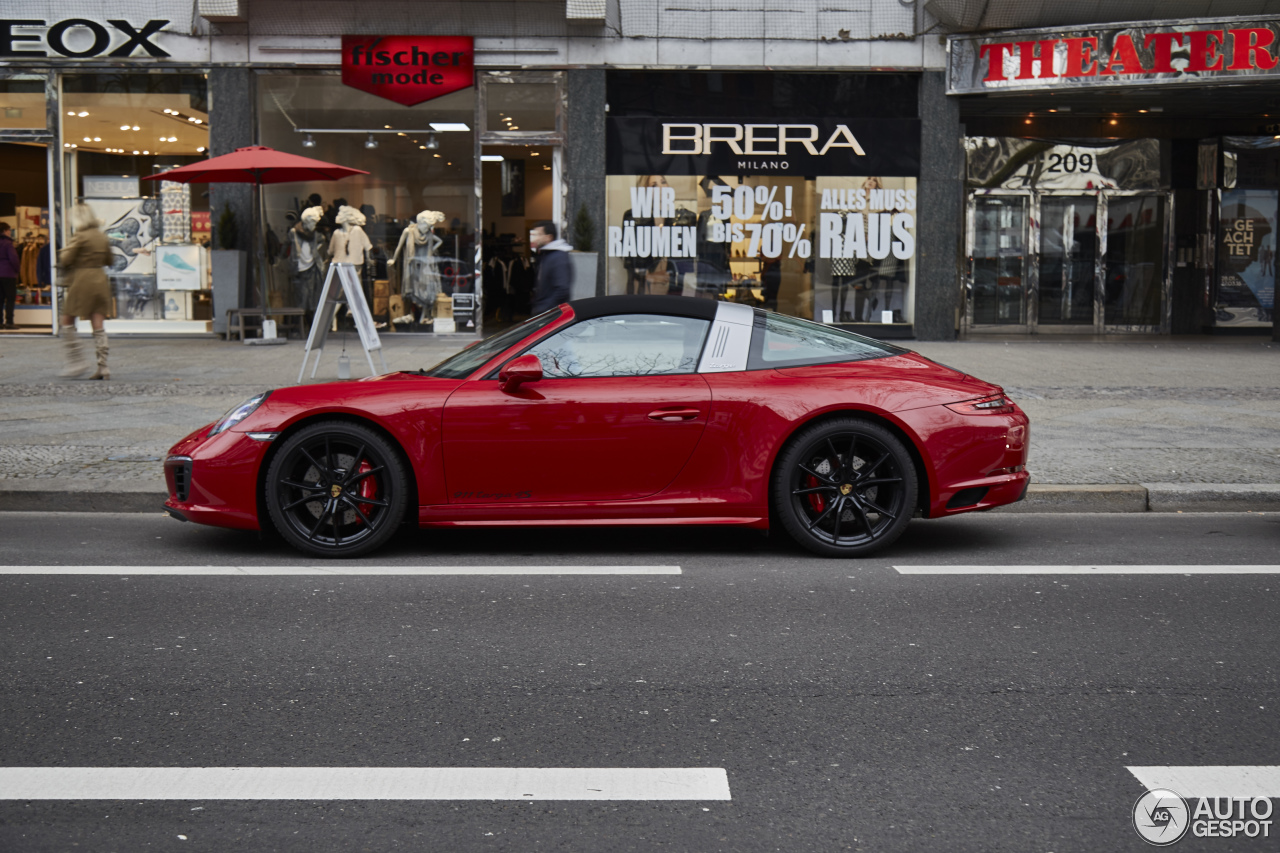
[(525, 368)]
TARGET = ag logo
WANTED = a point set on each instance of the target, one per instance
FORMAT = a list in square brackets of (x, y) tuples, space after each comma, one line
[(1161, 817)]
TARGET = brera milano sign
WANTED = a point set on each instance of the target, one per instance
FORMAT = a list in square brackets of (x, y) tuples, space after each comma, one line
[(79, 38), (705, 146), (1181, 52)]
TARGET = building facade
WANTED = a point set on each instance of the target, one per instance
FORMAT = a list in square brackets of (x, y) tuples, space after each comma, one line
[(861, 164)]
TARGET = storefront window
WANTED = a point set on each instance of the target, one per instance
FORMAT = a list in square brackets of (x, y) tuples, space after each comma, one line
[(116, 129), (519, 106), (811, 217), (414, 211), (22, 104)]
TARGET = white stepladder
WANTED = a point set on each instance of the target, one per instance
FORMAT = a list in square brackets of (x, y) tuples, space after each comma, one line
[(359, 308)]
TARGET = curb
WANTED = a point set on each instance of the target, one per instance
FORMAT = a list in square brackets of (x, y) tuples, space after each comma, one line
[(1109, 498)]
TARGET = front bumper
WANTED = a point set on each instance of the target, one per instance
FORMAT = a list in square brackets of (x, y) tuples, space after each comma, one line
[(213, 479)]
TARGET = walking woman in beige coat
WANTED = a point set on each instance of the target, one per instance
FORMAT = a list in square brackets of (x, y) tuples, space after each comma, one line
[(83, 262)]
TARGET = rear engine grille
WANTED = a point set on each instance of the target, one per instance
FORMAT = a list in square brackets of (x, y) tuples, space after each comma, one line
[(178, 472), (967, 497)]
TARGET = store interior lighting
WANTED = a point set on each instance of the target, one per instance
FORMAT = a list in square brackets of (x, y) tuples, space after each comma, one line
[(308, 141), (491, 158), (370, 142), (432, 142)]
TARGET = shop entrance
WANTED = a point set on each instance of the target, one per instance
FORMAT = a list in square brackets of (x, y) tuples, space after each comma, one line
[(24, 207), (1048, 262), (521, 187)]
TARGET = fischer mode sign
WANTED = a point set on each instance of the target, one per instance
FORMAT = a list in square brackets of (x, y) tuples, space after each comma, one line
[(408, 69)]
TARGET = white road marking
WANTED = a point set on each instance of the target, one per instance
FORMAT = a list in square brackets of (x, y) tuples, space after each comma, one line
[(1213, 781), (363, 783), (372, 571), (1088, 570)]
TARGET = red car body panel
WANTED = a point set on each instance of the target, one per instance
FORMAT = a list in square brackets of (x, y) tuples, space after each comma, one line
[(670, 449)]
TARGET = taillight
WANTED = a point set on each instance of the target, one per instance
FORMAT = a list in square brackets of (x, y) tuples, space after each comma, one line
[(997, 404)]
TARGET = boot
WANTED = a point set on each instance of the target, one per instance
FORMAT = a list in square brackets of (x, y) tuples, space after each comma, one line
[(101, 349), (76, 363)]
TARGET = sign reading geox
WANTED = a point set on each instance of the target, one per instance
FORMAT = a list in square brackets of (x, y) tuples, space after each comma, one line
[(408, 69), (79, 38), (769, 146), (1183, 52)]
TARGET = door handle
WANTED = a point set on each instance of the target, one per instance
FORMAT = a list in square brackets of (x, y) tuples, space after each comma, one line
[(673, 415)]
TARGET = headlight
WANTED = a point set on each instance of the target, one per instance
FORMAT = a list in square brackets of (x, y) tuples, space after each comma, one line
[(239, 413)]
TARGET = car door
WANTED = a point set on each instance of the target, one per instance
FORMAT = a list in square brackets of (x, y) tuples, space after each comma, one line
[(618, 412)]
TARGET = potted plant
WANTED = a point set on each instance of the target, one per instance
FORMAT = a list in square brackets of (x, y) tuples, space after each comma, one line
[(585, 261), (229, 264)]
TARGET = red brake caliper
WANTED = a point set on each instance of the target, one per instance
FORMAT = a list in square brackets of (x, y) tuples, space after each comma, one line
[(816, 501), (368, 486)]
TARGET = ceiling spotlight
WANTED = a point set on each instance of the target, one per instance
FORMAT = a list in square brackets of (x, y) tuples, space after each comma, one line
[(87, 139), (97, 139), (513, 127), (124, 127), (370, 142), (308, 141), (136, 151), (135, 127), (432, 142), (146, 152), (386, 127), (200, 149), (82, 114)]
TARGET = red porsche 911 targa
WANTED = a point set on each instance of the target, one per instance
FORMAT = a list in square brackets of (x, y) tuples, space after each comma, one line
[(617, 410)]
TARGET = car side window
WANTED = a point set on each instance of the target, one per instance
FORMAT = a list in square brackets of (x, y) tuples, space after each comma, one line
[(624, 345), (781, 341)]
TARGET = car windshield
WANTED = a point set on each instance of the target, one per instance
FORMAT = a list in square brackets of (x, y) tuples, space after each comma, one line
[(463, 364), (781, 341)]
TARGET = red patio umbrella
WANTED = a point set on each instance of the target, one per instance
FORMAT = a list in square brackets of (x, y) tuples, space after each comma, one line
[(257, 165)]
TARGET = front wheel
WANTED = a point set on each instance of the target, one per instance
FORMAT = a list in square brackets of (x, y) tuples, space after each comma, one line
[(844, 487), (336, 489)]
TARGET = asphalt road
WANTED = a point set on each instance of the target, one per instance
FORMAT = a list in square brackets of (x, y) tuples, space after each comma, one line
[(851, 706)]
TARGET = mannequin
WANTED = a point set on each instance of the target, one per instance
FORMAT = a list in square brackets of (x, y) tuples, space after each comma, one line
[(349, 244), (418, 272), (306, 264)]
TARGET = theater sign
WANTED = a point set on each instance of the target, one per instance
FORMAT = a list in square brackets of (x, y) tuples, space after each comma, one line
[(1191, 52)]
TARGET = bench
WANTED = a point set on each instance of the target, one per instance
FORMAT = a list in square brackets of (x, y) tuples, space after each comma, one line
[(289, 318)]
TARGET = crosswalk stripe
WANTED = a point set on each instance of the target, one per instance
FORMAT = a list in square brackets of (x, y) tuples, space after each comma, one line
[(357, 570), (1088, 570), (1213, 781), (363, 783)]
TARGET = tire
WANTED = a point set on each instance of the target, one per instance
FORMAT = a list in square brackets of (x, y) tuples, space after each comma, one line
[(844, 487), (357, 483)]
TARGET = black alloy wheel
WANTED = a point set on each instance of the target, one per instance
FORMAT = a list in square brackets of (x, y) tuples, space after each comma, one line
[(844, 487), (336, 489)]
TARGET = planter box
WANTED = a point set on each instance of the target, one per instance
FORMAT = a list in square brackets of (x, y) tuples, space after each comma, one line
[(229, 275), (584, 274)]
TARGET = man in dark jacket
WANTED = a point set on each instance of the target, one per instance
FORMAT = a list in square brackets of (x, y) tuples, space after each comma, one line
[(555, 270), (9, 269)]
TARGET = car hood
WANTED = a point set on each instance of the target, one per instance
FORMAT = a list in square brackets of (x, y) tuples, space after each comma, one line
[(384, 395)]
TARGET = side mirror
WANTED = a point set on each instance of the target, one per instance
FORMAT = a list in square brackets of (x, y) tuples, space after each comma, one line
[(526, 368)]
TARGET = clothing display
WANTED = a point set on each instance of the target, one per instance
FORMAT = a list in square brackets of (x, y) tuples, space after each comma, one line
[(306, 262), (349, 244), (416, 260)]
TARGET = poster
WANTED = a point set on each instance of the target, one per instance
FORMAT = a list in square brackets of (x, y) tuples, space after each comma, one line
[(131, 226), (1246, 258), (815, 218), (178, 267)]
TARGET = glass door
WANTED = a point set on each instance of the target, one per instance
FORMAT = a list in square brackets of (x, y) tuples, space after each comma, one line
[(997, 280), (1135, 262), (1067, 261)]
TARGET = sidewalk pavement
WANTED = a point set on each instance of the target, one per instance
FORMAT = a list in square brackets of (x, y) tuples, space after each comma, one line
[(1174, 424)]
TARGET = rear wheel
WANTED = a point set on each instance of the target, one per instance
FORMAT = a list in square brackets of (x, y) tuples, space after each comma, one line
[(336, 489), (844, 487)]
